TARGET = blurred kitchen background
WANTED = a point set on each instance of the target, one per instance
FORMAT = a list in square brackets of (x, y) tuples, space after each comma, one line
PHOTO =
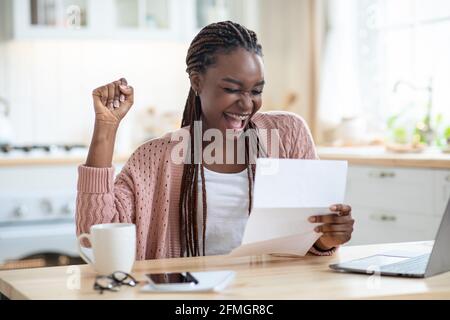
[(371, 78)]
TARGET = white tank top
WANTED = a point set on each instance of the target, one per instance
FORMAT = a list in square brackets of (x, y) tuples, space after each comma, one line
[(227, 210)]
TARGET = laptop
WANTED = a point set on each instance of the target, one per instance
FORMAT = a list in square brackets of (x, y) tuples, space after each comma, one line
[(421, 266)]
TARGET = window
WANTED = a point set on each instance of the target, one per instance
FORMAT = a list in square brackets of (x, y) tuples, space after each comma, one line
[(392, 63)]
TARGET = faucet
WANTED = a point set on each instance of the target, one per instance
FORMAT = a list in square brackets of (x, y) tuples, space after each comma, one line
[(5, 126), (424, 128), (5, 104)]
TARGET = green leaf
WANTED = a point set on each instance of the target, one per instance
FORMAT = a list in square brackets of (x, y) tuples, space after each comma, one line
[(400, 135), (391, 120), (447, 133)]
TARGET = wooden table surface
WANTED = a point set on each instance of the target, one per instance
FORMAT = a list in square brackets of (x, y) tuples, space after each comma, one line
[(257, 277)]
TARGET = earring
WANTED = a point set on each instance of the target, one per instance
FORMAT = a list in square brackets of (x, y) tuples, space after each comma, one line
[(196, 93)]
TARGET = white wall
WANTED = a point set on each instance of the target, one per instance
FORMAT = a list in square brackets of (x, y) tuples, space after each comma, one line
[(285, 34), (49, 83)]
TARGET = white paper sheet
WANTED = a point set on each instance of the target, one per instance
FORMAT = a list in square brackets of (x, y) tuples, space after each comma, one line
[(287, 193)]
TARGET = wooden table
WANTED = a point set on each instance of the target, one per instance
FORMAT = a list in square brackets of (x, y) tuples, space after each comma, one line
[(258, 277)]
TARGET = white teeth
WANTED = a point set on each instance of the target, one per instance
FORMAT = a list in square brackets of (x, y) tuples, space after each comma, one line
[(237, 116)]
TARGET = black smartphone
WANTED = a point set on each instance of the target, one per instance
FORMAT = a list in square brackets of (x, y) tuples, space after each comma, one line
[(172, 278)]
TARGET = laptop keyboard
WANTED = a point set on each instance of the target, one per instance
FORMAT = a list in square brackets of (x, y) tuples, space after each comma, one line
[(416, 265)]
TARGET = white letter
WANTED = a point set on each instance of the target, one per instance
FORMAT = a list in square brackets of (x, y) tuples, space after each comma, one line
[(74, 280), (180, 151), (374, 281), (216, 146)]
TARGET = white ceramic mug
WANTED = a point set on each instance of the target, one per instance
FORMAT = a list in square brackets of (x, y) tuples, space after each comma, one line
[(113, 247)]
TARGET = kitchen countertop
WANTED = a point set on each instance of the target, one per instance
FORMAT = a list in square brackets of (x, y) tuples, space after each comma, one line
[(257, 277), (378, 156), (354, 155), (6, 161)]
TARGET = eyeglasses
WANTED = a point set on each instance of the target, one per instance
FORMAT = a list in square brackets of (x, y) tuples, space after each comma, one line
[(114, 281)]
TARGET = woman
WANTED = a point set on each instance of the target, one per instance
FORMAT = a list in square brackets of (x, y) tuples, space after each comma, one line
[(164, 198)]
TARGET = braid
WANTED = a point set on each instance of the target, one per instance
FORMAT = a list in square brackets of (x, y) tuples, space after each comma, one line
[(220, 37)]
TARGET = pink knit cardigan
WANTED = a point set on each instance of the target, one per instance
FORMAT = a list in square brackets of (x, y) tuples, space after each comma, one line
[(147, 190)]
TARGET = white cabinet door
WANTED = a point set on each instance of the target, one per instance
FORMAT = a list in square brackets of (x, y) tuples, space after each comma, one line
[(96, 19), (146, 19), (178, 20), (5, 19), (200, 13), (442, 190), (38, 19), (375, 225), (391, 189), (395, 204)]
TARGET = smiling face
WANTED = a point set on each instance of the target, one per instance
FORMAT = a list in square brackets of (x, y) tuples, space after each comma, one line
[(230, 90)]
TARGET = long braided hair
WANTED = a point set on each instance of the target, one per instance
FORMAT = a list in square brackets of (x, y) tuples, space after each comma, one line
[(221, 37)]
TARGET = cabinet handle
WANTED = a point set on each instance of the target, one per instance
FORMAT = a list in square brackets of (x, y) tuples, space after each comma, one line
[(382, 174), (383, 217), (447, 178)]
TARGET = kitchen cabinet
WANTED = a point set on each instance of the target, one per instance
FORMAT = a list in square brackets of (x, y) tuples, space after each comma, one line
[(176, 20), (99, 19), (5, 20), (92, 19), (38, 200), (209, 11), (392, 204), (43, 19), (442, 191)]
